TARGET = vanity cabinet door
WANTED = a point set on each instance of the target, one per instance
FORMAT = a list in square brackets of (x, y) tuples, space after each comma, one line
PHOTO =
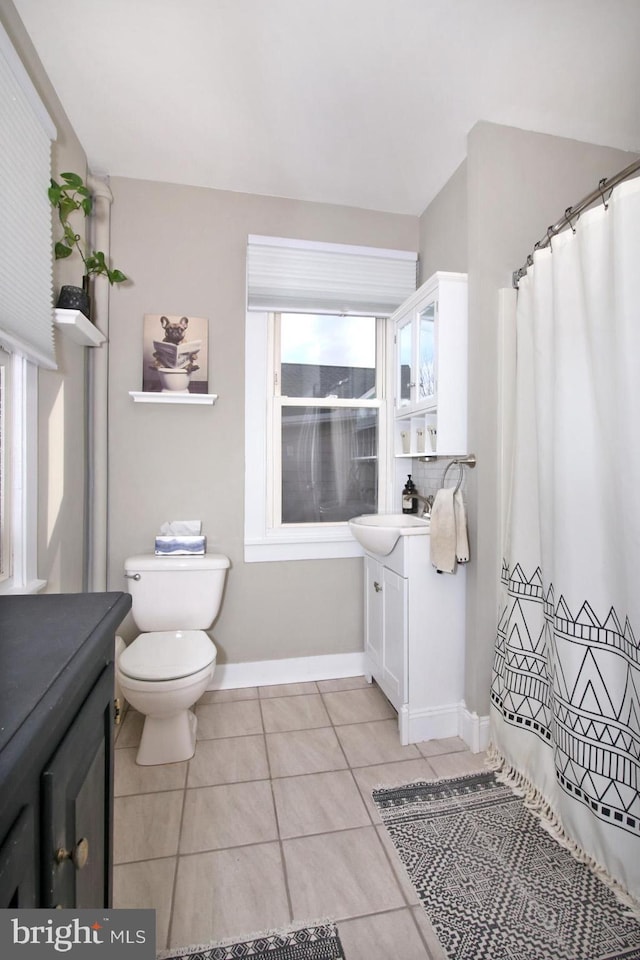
[(373, 613), (77, 807), (17, 864), (386, 633)]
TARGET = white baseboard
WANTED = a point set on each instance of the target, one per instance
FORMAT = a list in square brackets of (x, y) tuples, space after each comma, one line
[(431, 723), (447, 720), (229, 676), (474, 730)]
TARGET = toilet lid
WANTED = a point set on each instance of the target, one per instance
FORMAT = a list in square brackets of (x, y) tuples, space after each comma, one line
[(167, 655)]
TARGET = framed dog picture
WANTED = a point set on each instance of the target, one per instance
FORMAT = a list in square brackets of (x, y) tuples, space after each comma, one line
[(175, 354)]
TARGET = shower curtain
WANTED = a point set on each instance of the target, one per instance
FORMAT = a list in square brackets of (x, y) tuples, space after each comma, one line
[(565, 697)]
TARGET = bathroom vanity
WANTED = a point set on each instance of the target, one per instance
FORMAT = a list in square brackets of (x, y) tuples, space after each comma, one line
[(414, 638), (56, 748)]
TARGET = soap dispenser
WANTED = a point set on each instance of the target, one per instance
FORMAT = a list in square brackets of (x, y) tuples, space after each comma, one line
[(409, 498)]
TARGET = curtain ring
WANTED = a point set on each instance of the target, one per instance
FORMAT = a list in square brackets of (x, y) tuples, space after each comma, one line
[(567, 216), (601, 184)]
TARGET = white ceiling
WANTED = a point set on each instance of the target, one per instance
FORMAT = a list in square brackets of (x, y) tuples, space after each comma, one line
[(359, 102)]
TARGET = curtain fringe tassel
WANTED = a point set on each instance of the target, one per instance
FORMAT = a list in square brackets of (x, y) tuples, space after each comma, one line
[(538, 804)]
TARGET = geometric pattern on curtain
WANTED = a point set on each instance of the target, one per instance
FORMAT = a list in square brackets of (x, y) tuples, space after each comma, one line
[(593, 727), (565, 689)]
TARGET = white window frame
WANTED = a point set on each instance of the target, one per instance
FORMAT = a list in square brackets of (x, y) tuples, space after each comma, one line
[(22, 478), (265, 541)]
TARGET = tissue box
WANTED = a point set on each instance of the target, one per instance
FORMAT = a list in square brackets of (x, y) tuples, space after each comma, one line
[(180, 546)]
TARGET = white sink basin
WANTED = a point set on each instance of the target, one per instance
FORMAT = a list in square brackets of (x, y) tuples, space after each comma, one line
[(379, 532)]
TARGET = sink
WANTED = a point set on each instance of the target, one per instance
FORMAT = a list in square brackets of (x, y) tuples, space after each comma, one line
[(379, 532)]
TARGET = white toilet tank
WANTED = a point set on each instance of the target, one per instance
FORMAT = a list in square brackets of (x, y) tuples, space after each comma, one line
[(175, 593)]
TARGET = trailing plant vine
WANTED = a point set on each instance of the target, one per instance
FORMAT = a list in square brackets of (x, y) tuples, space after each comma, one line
[(68, 197)]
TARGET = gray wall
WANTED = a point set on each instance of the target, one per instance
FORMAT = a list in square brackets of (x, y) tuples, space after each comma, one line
[(444, 228), (61, 408), (517, 183), (185, 249)]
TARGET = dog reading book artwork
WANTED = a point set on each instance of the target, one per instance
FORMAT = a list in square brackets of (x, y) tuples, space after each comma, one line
[(175, 354)]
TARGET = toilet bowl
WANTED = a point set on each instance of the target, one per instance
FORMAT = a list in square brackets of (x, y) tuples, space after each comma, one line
[(167, 669)]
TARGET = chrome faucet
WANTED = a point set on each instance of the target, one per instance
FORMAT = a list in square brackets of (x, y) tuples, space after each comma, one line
[(428, 503)]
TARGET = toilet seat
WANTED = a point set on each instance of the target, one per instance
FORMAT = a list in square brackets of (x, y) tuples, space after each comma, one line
[(167, 655)]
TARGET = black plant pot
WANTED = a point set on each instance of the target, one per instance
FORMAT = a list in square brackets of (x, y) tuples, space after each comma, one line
[(74, 298)]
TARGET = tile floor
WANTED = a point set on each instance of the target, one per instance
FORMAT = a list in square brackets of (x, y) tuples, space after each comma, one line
[(271, 823)]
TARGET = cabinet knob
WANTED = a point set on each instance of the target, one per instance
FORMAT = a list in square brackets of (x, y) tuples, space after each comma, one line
[(376, 586), (78, 856)]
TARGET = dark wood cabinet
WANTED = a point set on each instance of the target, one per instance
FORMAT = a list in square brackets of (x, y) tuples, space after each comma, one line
[(56, 748)]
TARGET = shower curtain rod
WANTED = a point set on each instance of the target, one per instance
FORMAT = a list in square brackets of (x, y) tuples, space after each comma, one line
[(572, 213)]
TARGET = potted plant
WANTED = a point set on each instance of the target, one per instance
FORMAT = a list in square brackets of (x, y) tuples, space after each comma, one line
[(68, 197)]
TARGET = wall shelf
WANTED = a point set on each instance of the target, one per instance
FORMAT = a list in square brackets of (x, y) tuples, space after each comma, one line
[(78, 328), (147, 397)]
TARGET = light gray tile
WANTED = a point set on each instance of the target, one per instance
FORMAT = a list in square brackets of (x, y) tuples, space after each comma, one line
[(358, 706), (230, 815), (287, 689), (130, 777), (147, 885), (340, 875), (383, 936), (227, 696), (389, 775), (294, 713), (304, 751), (229, 893), (130, 729), (239, 719), (377, 742), (457, 764), (147, 826), (229, 760), (342, 683), (434, 748), (318, 803)]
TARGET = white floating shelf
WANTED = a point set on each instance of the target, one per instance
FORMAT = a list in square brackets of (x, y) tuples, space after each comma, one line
[(78, 328), (147, 397)]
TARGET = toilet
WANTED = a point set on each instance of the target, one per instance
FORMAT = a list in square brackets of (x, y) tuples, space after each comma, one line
[(170, 664)]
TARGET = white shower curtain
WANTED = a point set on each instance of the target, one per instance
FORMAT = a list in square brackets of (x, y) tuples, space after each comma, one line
[(565, 698)]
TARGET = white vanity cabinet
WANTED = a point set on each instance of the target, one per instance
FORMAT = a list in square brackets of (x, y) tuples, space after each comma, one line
[(430, 347), (414, 638)]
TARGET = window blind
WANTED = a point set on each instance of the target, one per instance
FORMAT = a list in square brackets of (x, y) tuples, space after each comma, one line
[(26, 314), (304, 277)]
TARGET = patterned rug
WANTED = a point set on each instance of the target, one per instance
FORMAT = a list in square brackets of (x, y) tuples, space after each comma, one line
[(494, 883), (319, 942)]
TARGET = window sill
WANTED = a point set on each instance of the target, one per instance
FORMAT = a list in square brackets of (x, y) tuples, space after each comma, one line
[(280, 547), (8, 588)]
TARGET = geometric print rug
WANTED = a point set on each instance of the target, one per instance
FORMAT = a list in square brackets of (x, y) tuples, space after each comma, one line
[(494, 883), (317, 942)]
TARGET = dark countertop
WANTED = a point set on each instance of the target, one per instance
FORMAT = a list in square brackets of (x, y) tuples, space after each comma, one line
[(40, 636)]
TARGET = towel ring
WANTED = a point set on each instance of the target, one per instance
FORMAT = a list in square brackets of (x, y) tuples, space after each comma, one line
[(458, 464)]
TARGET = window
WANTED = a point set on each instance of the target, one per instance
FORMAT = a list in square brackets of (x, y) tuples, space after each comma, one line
[(326, 406), (26, 318), (316, 433)]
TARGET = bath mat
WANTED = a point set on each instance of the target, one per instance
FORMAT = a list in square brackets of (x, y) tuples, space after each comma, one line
[(318, 942), (495, 885)]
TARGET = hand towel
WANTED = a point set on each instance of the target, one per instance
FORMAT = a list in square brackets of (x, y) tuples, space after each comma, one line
[(442, 534), (462, 540)]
